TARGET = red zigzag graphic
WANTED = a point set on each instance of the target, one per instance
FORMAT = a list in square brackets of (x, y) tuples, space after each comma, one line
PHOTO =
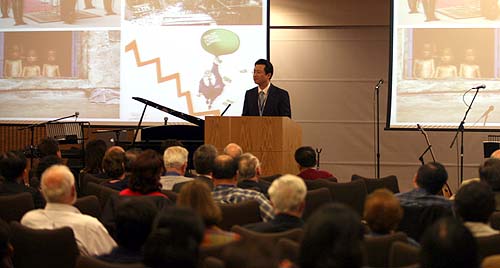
[(176, 76)]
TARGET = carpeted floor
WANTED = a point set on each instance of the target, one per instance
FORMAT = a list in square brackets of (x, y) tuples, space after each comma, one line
[(53, 16)]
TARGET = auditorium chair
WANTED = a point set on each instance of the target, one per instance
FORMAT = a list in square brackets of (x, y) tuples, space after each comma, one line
[(488, 245), (495, 220), (416, 219), (103, 193), (43, 248), (84, 179), (270, 178), (492, 261), (13, 207), (239, 214), (403, 254), (171, 195), (91, 262), (212, 262), (289, 250), (352, 194), (389, 182), (316, 184), (215, 251), (268, 238), (315, 199), (377, 248), (89, 205)]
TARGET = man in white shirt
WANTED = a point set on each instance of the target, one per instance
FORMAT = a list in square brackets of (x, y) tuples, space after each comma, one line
[(58, 188)]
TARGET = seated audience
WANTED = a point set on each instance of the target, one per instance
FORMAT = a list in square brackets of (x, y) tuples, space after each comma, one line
[(249, 172), (94, 153), (332, 238), (14, 170), (306, 159), (203, 161), (489, 172), (58, 188), (113, 165), (6, 249), (145, 177), (287, 195), (175, 159), (474, 203), (49, 146), (175, 240), (197, 196), (225, 190), (448, 243), (44, 163), (428, 182), (233, 150), (134, 221), (131, 155)]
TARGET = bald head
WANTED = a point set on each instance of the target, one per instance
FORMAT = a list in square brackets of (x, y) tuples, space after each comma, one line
[(496, 154), (115, 149), (225, 167), (58, 185), (233, 150)]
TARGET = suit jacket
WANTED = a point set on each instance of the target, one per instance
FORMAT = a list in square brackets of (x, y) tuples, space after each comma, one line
[(280, 223), (277, 103)]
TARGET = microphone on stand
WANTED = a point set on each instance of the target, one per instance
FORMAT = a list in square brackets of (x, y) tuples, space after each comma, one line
[(225, 110), (380, 82), (76, 115), (483, 86), (165, 120)]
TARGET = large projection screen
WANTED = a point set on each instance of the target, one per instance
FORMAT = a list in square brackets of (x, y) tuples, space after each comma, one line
[(440, 52), (193, 56)]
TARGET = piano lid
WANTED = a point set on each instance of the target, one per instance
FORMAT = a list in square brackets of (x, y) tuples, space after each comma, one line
[(191, 119)]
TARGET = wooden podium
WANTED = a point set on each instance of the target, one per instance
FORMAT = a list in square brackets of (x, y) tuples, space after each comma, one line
[(271, 139)]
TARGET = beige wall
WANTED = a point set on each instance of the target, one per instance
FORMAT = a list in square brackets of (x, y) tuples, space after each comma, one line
[(329, 54)]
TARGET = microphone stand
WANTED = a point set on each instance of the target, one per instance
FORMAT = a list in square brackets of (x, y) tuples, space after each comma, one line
[(461, 130), (377, 123), (318, 153), (429, 147)]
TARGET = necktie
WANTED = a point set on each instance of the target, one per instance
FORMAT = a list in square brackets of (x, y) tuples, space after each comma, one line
[(262, 100)]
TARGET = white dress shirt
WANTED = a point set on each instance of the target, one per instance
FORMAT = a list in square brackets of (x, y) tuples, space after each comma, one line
[(91, 236)]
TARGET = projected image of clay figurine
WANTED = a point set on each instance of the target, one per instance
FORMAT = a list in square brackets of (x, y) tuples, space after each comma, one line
[(469, 69), (423, 66), (446, 70), (217, 42), (31, 68), (51, 68), (13, 66), (194, 12)]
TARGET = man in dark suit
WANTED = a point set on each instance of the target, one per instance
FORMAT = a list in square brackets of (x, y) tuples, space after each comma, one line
[(266, 99)]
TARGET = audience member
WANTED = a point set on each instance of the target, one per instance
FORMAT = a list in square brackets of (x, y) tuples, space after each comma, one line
[(131, 155), (287, 195), (203, 161), (496, 154), (134, 221), (332, 238), (175, 159), (6, 249), (428, 182), (175, 240), (197, 196), (113, 165), (58, 188), (306, 159), (225, 190), (14, 170), (233, 150), (94, 153), (474, 203), (145, 177), (489, 172), (49, 146), (249, 172), (44, 163), (448, 243)]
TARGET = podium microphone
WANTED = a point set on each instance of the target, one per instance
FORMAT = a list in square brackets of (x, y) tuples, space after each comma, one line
[(225, 110), (76, 115), (380, 82), (483, 86)]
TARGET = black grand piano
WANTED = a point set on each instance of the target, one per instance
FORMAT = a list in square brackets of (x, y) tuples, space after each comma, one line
[(158, 137)]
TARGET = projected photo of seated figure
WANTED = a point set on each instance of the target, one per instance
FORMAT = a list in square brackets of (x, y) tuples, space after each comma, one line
[(51, 69), (211, 84), (469, 69), (14, 63), (31, 69), (423, 67), (446, 70)]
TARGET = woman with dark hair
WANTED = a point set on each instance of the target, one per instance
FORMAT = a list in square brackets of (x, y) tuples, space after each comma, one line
[(145, 177), (113, 164), (94, 153), (332, 238), (197, 196)]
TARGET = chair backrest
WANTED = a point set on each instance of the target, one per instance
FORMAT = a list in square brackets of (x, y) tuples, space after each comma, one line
[(239, 214), (288, 250), (403, 254), (495, 220), (177, 187), (212, 262), (268, 238), (389, 182), (89, 205), (316, 184), (416, 219), (492, 261), (43, 248), (488, 245), (352, 194), (377, 248), (315, 199), (103, 193), (171, 195), (270, 178), (13, 207), (84, 179), (215, 251), (91, 262)]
